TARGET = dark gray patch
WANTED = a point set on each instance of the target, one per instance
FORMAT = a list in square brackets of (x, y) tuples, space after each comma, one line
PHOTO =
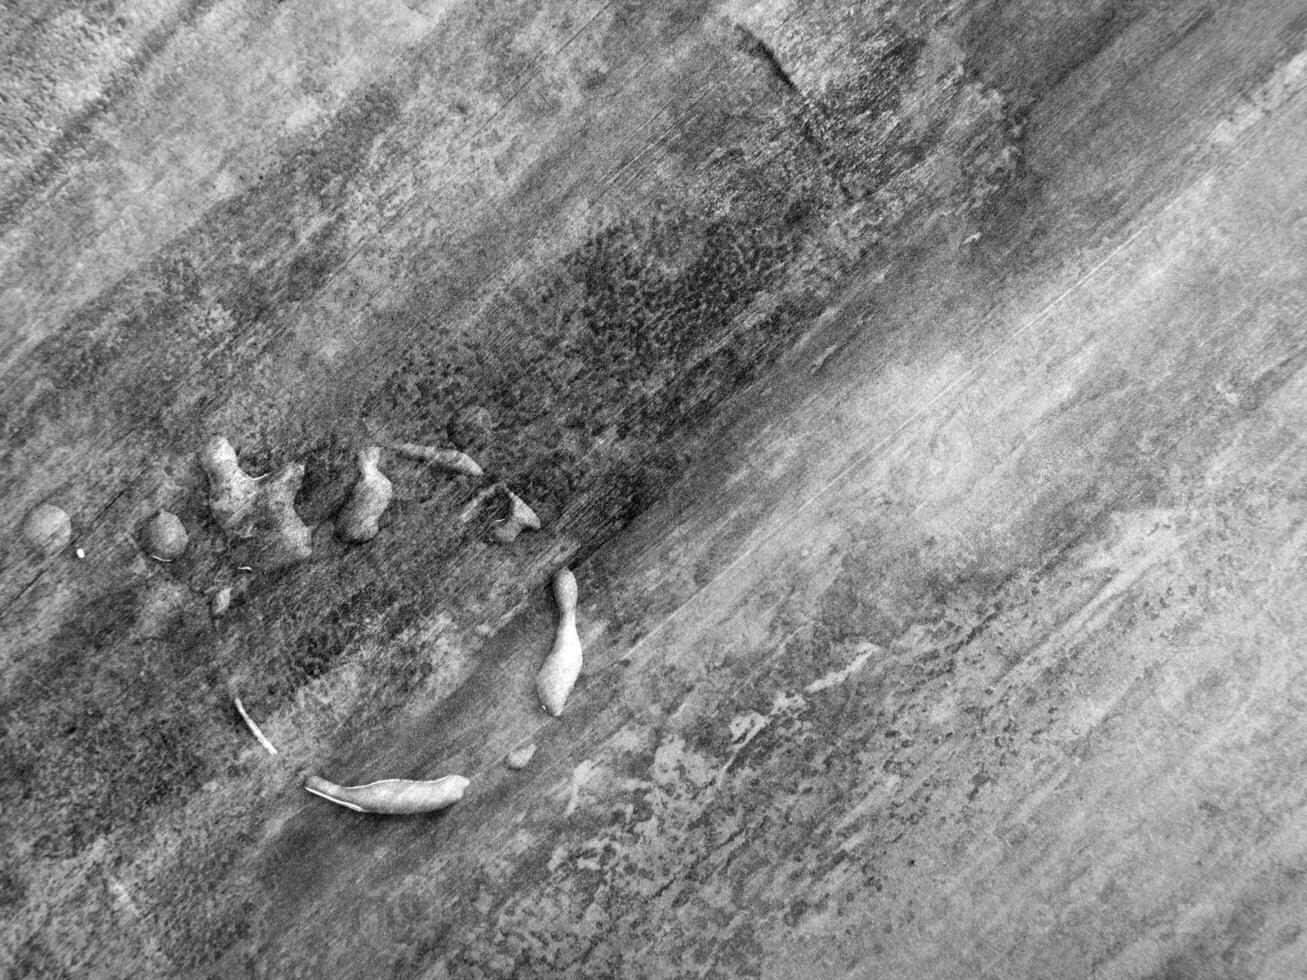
[(35, 960), (1026, 56)]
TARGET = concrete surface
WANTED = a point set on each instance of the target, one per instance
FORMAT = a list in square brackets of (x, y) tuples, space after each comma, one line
[(916, 389)]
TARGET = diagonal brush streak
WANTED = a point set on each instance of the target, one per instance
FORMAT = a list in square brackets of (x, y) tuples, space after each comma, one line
[(867, 450)]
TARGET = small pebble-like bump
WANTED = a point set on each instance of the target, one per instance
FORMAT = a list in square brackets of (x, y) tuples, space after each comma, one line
[(359, 521), (232, 492), (559, 673), (260, 509), (283, 539), (521, 757), (47, 529), (220, 602), (445, 459), (165, 536), (520, 518), (395, 796)]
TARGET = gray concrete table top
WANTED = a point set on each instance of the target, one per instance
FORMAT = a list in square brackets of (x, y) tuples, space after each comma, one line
[(916, 390)]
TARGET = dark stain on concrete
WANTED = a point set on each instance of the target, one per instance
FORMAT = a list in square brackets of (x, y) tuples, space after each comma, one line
[(756, 47)]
